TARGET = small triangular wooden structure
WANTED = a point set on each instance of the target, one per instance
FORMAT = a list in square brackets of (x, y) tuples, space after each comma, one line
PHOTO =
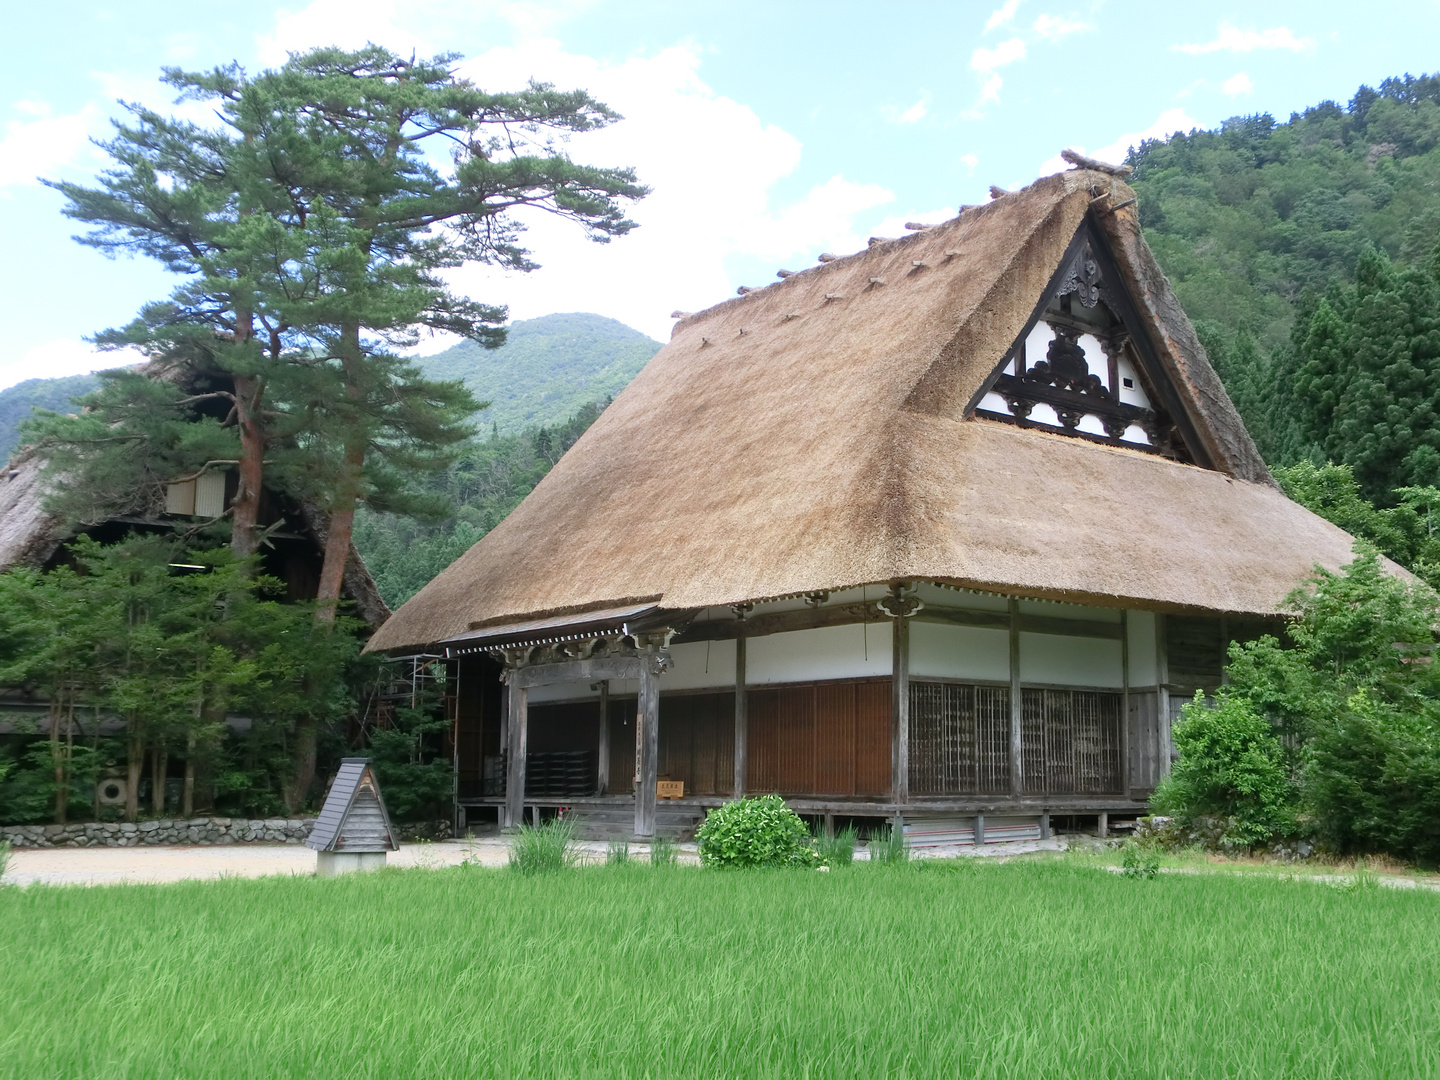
[(354, 818)]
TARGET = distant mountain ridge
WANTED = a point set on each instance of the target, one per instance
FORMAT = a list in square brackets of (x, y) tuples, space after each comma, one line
[(53, 394), (548, 368)]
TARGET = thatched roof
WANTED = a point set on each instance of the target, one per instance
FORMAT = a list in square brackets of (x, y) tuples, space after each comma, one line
[(30, 535), (812, 435)]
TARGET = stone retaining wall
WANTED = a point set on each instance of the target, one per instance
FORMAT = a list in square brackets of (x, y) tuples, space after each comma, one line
[(200, 830)]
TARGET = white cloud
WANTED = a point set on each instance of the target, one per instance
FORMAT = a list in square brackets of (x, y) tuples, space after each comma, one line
[(712, 164), (348, 24), (351, 24), (914, 114), (986, 61), (63, 356), (1233, 39), (45, 144), (1169, 122), (1002, 15), (1055, 27), (970, 161), (1238, 83), (1007, 52)]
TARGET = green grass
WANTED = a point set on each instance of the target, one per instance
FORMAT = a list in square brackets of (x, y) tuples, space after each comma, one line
[(1039, 969)]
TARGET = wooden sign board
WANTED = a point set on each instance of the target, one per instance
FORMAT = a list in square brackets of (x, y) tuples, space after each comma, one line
[(670, 789)]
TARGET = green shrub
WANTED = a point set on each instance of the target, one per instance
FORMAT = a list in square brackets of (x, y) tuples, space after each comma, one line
[(837, 850), (617, 853), (755, 832), (549, 847), (1372, 779), (4, 858), (887, 846), (1139, 860), (1231, 768)]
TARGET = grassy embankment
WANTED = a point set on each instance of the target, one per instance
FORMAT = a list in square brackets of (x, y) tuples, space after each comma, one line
[(1027, 970)]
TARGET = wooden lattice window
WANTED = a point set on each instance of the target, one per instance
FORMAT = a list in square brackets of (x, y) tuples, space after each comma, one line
[(959, 739), (1070, 742)]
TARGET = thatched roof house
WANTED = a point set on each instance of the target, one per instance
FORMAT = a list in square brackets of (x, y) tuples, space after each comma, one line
[(1006, 408), (32, 536)]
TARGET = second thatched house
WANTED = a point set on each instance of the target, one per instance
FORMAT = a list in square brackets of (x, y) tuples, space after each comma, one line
[(944, 531)]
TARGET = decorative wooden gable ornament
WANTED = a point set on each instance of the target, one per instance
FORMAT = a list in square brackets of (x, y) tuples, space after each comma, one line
[(353, 831), (1085, 366)]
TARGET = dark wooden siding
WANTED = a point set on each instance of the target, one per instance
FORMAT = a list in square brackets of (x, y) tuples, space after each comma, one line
[(1197, 648), (697, 742), (829, 738), (1147, 742), (622, 745)]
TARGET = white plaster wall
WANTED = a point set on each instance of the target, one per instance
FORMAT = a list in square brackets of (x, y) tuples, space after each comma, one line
[(1142, 648), (1070, 661), (832, 652), (959, 652), (701, 665)]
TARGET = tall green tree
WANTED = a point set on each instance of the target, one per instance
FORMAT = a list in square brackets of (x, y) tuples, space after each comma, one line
[(383, 218)]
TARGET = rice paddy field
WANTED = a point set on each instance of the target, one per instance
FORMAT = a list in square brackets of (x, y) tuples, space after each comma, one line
[(1051, 968)]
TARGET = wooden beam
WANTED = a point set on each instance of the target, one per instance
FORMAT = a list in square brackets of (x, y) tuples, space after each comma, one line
[(978, 840), (742, 718), (1162, 696), (1125, 777), (605, 667), (900, 710), (647, 748), (515, 757), (1017, 699), (1045, 826), (602, 758), (782, 622)]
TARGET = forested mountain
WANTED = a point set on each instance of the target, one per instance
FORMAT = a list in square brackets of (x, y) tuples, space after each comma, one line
[(485, 484), (547, 369), (16, 402), (1333, 215)]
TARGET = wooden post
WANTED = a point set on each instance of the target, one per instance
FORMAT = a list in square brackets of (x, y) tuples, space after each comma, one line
[(602, 757), (900, 709), (1017, 712), (1045, 826), (979, 839), (647, 748), (1125, 771), (1162, 694), (1102, 825), (830, 826), (742, 717), (515, 757)]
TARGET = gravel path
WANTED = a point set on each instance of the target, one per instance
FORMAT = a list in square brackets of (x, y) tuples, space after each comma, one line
[(113, 866)]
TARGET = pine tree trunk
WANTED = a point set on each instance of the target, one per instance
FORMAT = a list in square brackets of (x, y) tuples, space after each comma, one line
[(187, 802), (245, 507), (57, 759), (158, 762), (134, 765), (341, 526), (298, 790)]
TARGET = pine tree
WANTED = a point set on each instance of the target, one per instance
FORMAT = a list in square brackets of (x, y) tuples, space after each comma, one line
[(379, 222)]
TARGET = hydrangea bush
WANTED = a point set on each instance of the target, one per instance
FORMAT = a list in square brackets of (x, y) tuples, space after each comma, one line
[(760, 831)]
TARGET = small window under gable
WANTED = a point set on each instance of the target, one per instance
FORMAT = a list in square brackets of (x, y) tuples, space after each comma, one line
[(1078, 368)]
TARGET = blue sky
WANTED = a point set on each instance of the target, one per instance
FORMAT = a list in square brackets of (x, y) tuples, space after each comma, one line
[(769, 131)]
